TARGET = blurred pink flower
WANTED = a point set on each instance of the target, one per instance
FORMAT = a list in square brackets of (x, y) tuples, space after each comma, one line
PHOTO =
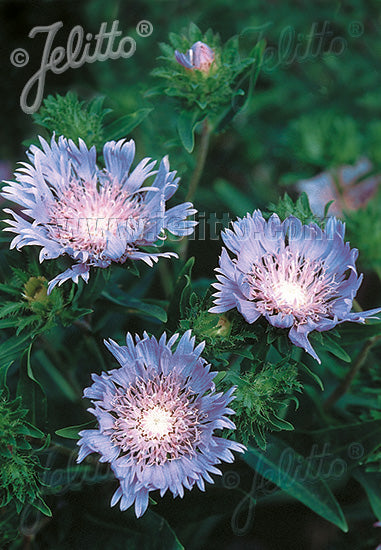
[(347, 192)]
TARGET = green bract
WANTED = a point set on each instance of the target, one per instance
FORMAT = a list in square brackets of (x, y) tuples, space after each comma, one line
[(219, 93)]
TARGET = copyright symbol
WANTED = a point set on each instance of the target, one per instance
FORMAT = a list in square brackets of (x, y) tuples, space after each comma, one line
[(19, 57), (355, 451), (230, 480), (144, 28)]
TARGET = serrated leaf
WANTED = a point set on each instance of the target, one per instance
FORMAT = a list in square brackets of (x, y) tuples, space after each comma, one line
[(11, 308)]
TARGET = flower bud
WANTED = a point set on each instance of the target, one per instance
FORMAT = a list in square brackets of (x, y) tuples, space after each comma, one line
[(199, 57), (36, 290)]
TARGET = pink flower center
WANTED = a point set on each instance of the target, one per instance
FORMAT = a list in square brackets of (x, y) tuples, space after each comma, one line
[(291, 284), (84, 216), (156, 420)]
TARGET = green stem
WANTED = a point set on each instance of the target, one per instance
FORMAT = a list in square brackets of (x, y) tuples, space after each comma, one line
[(196, 176), (356, 366), (200, 163), (165, 277)]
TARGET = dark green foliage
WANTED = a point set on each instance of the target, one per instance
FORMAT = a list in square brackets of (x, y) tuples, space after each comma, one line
[(360, 224), (307, 116), (299, 209), (74, 119), (20, 471), (263, 395), (311, 140), (216, 93), (31, 309), (223, 334)]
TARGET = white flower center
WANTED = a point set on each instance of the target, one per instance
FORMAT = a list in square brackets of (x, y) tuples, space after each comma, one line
[(157, 422), (293, 285), (290, 293)]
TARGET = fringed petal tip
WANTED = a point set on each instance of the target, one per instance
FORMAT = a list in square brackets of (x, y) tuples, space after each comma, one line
[(172, 385), (73, 273), (297, 276), (63, 192)]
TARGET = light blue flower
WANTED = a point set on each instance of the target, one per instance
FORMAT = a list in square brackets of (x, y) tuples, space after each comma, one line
[(96, 216), (296, 276), (157, 417)]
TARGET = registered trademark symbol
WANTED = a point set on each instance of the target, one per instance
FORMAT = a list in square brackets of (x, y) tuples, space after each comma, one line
[(144, 28), (356, 29), (355, 451)]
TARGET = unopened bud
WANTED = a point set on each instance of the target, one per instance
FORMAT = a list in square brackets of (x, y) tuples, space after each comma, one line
[(200, 57)]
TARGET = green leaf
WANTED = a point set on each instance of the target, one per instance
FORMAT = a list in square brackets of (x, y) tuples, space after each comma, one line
[(71, 432), (13, 347), (351, 333), (3, 374), (245, 85), (42, 507), (180, 293), (135, 305), (195, 33), (371, 483), (138, 533), (235, 200), (355, 441), (59, 380), (283, 466), (186, 123), (124, 125), (32, 393), (331, 345), (313, 375), (32, 431)]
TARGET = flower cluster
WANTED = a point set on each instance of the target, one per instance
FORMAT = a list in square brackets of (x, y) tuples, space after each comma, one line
[(95, 216), (296, 276), (157, 417)]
